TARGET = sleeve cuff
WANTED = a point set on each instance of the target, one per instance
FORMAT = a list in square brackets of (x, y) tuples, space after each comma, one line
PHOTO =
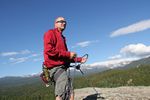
[(78, 59)]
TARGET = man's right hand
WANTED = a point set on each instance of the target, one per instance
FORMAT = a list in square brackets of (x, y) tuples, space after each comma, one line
[(73, 55)]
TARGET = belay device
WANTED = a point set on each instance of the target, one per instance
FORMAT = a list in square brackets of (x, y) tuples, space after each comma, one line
[(78, 65)]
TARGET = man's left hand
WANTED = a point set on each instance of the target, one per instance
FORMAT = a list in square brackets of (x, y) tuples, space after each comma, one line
[(83, 60)]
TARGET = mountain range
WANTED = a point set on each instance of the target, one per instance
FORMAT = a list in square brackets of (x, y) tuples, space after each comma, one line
[(87, 69)]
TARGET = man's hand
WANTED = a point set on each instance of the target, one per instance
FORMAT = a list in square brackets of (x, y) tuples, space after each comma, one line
[(83, 60), (73, 55)]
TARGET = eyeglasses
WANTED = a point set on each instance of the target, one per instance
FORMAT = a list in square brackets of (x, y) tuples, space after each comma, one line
[(61, 21)]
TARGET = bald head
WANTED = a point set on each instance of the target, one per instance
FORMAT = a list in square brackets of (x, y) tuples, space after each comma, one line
[(59, 18), (60, 23)]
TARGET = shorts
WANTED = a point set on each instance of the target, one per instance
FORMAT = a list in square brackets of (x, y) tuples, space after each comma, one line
[(63, 82)]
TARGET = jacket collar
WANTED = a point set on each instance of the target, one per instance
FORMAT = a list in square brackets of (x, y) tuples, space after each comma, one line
[(57, 31)]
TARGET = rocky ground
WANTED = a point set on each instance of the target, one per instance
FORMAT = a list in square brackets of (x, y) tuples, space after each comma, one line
[(119, 93)]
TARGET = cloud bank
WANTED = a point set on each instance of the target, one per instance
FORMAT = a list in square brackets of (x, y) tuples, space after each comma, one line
[(15, 57), (127, 54), (136, 50)]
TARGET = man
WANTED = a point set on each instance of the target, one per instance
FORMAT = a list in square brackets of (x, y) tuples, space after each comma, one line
[(57, 58)]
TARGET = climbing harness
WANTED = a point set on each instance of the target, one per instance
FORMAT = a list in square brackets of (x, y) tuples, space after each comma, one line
[(45, 76)]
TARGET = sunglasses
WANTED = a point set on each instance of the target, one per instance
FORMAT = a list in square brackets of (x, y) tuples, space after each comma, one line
[(61, 21)]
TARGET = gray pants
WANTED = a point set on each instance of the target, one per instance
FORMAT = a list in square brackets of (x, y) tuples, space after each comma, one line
[(63, 81)]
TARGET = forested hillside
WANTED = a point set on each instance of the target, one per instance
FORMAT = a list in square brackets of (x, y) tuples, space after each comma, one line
[(34, 89)]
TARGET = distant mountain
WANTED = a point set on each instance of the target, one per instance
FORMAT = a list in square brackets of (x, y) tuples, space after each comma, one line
[(144, 61), (87, 69), (18, 81), (106, 65), (113, 64)]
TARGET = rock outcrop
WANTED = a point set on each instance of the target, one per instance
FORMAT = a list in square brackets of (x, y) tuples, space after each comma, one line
[(119, 93)]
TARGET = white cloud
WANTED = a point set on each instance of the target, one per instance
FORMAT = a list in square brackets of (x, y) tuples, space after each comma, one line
[(8, 53), (135, 50), (84, 43), (115, 57), (127, 54), (15, 53), (32, 57), (25, 52), (37, 59), (18, 57), (136, 27), (18, 60)]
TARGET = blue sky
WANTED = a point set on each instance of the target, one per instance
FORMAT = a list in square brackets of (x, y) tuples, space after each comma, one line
[(105, 29)]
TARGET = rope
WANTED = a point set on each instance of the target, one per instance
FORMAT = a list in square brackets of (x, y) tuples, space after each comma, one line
[(91, 84), (68, 93)]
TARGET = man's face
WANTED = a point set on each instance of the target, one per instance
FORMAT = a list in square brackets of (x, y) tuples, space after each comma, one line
[(60, 23)]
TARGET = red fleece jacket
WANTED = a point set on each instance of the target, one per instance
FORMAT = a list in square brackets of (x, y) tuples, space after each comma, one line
[(55, 50)]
